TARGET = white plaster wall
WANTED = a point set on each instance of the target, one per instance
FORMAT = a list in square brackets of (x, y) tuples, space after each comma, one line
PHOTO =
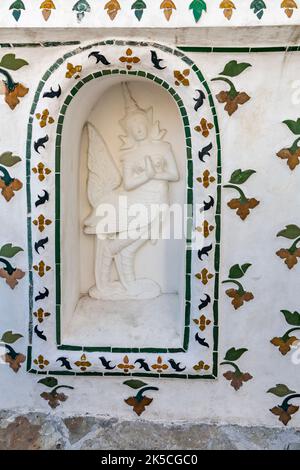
[(250, 138)]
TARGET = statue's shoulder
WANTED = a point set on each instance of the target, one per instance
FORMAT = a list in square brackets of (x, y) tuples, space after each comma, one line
[(128, 154), (162, 145)]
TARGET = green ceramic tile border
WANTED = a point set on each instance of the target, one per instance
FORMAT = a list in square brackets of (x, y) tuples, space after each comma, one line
[(239, 49), (189, 156), (217, 240), (164, 375), (29, 358), (246, 49), (184, 48), (39, 44)]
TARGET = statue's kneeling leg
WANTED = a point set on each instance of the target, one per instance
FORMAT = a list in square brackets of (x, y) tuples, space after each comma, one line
[(136, 288), (123, 253), (103, 264)]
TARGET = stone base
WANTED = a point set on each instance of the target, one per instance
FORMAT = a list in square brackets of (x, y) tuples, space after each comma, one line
[(46, 431), (127, 323), (141, 289)]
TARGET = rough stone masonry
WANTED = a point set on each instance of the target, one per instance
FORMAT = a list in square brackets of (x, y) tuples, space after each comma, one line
[(37, 431)]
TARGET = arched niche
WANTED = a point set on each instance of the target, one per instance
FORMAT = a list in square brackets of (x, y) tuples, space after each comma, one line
[(117, 323), (86, 75)]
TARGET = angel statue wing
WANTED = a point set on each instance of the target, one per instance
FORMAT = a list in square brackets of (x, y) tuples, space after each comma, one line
[(104, 175)]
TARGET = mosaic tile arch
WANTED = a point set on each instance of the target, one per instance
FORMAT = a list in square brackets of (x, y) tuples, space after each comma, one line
[(69, 76)]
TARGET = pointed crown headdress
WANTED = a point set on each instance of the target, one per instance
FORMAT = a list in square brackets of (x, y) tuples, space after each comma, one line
[(131, 105), (132, 108)]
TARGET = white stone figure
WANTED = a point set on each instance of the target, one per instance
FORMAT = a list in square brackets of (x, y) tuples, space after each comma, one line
[(147, 167)]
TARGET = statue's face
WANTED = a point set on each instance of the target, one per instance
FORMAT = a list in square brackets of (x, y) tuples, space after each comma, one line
[(137, 126)]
